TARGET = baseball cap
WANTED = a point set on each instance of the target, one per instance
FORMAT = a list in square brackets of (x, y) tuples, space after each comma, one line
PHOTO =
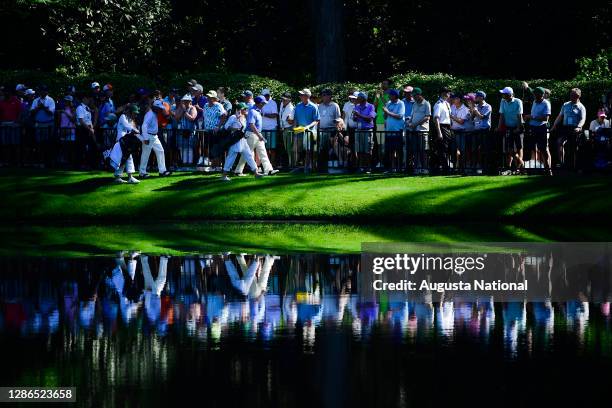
[(539, 90), (242, 106), (247, 93), (134, 108), (286, 95), (198, 87), (158, 104), (408, 88), (354, 95), (68, 98), (482, 94), (29, 92), (417, 91), (265, 91), (212, 94), (306, 92), (260, 99), (393, 92), (107, 87), (601, 113), (362, 95), (95, 85), (507, 90), (186, 97), (192, 82), (20, 87)]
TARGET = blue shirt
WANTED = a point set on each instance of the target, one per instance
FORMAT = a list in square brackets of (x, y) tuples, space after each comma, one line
[(574, 114), (106, 108), (254, 116), (510, 111), (539, 109), (485, 110), (394, 124), (201, 102), (304, 115), (212, 115), (408, 108)]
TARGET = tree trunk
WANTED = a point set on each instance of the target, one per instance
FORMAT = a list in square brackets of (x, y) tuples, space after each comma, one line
[(329, 40)]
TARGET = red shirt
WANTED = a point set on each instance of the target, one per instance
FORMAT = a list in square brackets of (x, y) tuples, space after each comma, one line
[(10, 109)]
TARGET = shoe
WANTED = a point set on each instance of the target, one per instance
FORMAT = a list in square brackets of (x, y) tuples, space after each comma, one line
[(257, 175), (272, 172), (132, 180), (144, 176), (240, 175), (165, 174), (225, 178), (206, 161), (506, 172), (119, 180), (200, 161)]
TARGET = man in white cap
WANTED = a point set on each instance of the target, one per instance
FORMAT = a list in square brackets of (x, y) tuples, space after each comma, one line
[(511, 126), (269, 112), (214, 119), (150, 141), (255, 138)]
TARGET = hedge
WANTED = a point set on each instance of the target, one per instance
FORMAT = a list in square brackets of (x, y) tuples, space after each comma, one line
[(592, 90)]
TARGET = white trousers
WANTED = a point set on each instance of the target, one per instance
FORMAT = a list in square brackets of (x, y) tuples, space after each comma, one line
[(156, 146), (242, 284), (256, 145), (128, 166), (243, 148)]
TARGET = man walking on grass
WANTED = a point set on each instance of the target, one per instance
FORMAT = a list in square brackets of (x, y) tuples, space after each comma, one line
[(151, 141)]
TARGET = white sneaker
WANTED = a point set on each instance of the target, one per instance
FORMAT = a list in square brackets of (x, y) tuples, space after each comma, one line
[(200, 161), (272, 172), (206, 161), (241, 175), (133, 180), (119, 180), (225, 178)]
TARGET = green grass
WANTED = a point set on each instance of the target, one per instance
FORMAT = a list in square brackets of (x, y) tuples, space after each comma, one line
[(58, 196), (188, 238)]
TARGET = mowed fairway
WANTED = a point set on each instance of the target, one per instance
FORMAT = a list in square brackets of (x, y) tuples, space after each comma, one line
[(56, 196)]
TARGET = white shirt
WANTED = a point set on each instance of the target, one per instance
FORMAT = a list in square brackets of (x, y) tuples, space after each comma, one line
[(47, 101), (83, 112), (462, 112), (595, 125), (234, 123), (124, 126), (348, 114), (270, 107), (149, 125), (286, 113), (441, 110)]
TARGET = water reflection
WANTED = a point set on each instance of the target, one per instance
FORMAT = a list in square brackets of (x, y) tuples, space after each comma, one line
[(136, 319)]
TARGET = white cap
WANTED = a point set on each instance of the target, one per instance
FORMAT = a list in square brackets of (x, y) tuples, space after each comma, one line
[(20, 87), (95, 85), (306, 92), (30, 92), (186, 97), (265, 92), (354, 95), (507, 90), (158, 104), (212, 94)]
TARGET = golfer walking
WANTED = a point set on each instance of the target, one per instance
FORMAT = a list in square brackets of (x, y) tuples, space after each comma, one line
[(151, 141)]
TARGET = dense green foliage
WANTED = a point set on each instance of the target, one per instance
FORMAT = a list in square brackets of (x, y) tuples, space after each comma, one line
[(592, 89), (55, 196)]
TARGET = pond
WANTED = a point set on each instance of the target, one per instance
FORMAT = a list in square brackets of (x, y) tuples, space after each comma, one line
[(288, 329)]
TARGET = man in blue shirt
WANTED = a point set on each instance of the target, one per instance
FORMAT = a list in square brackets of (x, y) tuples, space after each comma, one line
[(572, 118), (481, 112), (511, 125), (43, 113), (408, 102), (255, 139), (394, 111), (306, 117), (537, 137)]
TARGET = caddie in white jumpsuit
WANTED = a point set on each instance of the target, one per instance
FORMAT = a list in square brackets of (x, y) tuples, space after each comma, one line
[(237, 122), (151, 141)]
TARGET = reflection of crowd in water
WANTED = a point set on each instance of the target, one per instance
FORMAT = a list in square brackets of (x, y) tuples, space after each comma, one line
[(260, 295)]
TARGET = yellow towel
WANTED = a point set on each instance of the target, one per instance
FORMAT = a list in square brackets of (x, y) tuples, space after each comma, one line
[(299, 129)]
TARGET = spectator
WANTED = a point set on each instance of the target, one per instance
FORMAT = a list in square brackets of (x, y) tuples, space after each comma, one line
[(285, 114), (10, 107), (107, 105), (364, 114), (394, 122), (110, 121), (127, 126), (247, 98), (199, 102), (349, 122), (68, 120), (329, 114), (43, 114), (537, 139), (255, 139), (86, 138), (571, 118), (214, 119), (150, 141), (418, 128), (306, 118), (380, 101), (443, 138), (408, 103), (600, 123), (237, 123), (270, 123), (186, 116), (26, 105), (173, 102), (227, 105), (481, 112), (511, 126), (461, 123)]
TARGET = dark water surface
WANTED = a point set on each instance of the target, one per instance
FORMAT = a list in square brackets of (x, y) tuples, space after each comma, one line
[(288, 331)]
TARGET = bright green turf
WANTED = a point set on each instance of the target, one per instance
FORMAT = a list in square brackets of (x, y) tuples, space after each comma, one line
[(54, 196), (179, 239)]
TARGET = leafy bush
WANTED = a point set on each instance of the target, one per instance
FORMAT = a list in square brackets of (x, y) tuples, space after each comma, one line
[(124, 84), (597, 67)]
